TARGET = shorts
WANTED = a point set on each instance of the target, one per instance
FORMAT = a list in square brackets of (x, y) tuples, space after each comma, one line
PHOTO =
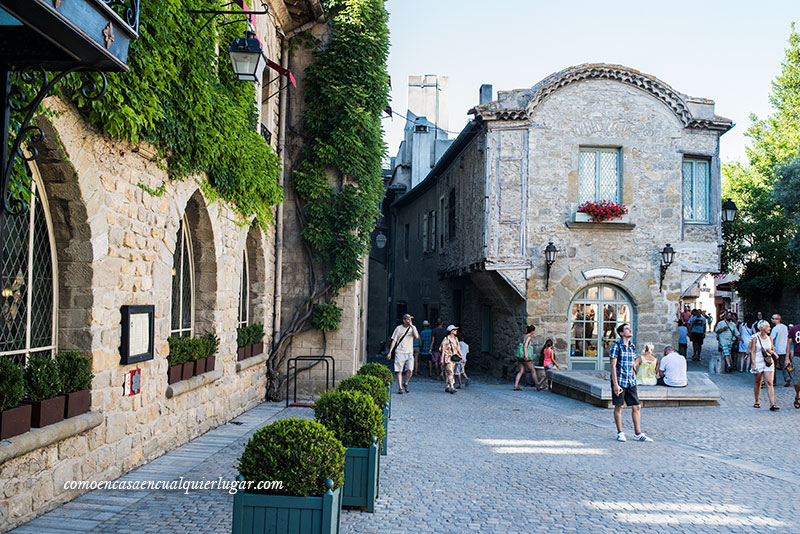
[(416, 353), (629, 397), (458, 368), (682, 349), (436, 356), (424, 357), (795, 367), (548, 366), (403, 362), (698, 337)]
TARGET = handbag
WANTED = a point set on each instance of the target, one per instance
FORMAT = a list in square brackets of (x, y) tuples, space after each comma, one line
[(520, 352), (767, 358), (454, 357)]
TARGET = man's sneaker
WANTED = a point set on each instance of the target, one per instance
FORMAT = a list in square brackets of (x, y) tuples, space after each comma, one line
[(621, 436), (642, 437)]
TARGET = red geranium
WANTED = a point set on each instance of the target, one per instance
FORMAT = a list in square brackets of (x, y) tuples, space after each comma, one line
[(603, 210)]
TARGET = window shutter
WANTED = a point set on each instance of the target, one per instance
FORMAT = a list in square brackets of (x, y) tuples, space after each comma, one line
[(425, 232)]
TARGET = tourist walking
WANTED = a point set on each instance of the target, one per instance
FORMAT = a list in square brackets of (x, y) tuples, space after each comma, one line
[(794, 352), (623, 382), (451, 354), (437, 336), (762, 356), (646, 367), (780, 338), (524, 361), (745, 335), (697, 329), (727, 333), (402, 338), (425, 348), (549, 362), (459, 369), (683, 337)]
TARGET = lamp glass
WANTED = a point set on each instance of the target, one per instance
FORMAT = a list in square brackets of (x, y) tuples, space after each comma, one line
[(668, 255), (380, 240), (728, 211), (550, 253)]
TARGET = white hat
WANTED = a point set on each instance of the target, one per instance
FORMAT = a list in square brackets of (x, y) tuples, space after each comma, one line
[(451, 328)]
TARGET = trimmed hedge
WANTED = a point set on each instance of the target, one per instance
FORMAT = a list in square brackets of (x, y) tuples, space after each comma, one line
[(76, 371), (371, 385), (42, 378), (379, 370), (352, 417), (12, 383), (302, 454)]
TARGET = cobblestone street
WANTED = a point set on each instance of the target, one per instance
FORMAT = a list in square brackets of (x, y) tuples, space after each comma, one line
[(490, 459)]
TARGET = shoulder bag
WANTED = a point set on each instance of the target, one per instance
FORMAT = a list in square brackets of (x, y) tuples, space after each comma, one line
[(454, 357), (767, 358), (391, 354)]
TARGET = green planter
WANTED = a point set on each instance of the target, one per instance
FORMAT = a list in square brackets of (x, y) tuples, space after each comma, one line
[(361, 466), (385, 440), (389, 391), (282, 514)]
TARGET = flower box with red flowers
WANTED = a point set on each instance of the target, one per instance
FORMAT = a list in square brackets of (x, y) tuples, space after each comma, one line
[(601, 211)]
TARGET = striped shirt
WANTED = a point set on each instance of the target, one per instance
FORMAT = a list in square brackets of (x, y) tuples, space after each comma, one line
[(625, 356), (425, 341)]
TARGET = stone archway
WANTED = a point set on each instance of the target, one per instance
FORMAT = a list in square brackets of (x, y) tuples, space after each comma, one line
[(204, 263), (260, 286)]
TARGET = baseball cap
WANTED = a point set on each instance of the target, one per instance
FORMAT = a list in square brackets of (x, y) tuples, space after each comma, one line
[(452, 327), (407, 316)]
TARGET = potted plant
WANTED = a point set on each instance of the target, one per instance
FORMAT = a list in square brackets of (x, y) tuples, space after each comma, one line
[(382, 372), (76, 379), (15, 418), (307, 462), (602, 210), (198, 352), (372, 386), (356, 421), (210, 347), (178, 356), (244, 348), (257, 338), (42, 386)]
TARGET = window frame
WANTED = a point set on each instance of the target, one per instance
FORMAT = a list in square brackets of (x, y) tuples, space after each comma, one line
[(186, 245), (694, 159), (599, 150), (244, 292)]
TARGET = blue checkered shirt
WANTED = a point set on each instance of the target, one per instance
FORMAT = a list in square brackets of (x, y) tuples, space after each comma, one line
[(425, 341), (625, 356)]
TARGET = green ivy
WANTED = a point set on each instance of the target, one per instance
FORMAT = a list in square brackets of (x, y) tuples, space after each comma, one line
[(347, 89), (326, 317), (179, 95)]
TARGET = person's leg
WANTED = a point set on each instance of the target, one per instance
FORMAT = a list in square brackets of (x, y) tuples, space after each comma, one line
[(636, 415), (448, 367), (770, 376), (520, 372), (399, 380), (618, 417), (416, 361), (409, 373), (757, 386)]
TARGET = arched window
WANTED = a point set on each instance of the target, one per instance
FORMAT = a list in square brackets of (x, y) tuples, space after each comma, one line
[(244, 292), (182, 284), (28, 278), (594, 315)]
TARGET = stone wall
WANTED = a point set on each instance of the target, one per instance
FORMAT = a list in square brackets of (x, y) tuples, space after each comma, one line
[(115, 246)]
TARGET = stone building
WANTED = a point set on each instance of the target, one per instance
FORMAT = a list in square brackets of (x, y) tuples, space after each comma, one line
[(470, 238), (95, 240)]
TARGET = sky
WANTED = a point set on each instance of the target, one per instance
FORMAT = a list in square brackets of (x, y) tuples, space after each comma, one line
[(729, 51)]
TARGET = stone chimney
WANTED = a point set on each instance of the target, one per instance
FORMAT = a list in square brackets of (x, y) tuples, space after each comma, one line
[(485, 94)]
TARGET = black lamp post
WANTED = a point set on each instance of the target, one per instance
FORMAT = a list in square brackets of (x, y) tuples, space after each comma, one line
[(550, 253), (667, 257), (247, 58), (729, 210)]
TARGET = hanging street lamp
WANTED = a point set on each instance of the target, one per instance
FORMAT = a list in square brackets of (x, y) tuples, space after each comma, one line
[(247, 58)]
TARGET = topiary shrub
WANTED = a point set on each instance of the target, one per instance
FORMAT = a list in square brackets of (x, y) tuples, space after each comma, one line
[(379, 370), (209, 344), (242, 336), (12, 383), (76, 371), (302, 454), (351, 415), (42, 378), (371, 385), (178, 350), (256, 333)]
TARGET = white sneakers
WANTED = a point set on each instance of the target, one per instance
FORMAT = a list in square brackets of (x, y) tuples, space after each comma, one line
[(636, 437)]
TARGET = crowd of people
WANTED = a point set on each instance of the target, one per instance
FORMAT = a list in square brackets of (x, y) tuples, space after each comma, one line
[(443, 349)]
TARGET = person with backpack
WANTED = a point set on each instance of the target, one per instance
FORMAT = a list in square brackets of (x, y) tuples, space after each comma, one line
[(524, 361)]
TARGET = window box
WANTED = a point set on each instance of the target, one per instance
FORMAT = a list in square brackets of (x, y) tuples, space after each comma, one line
[(15, 421), (77, 403), (188, 370), (47, 412), (258, 348), (585, 217), (174, 374), (210, 363), (199, 366)]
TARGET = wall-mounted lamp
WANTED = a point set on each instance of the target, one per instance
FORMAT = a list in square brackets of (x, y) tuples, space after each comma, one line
[(380, 240), (729, 210), (550, 253), (667, 257)]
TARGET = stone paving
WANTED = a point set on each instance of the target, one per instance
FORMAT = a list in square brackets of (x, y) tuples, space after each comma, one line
[(490, 459)]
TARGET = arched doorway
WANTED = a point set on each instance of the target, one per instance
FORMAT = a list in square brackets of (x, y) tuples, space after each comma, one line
[(594, 315)]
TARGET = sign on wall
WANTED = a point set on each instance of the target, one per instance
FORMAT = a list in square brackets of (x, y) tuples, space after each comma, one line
[(137, 333)]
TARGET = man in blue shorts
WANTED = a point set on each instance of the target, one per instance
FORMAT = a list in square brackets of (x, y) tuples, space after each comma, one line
[(623, 382)]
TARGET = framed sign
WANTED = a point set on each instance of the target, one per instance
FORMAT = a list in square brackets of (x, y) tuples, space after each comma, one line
[(137, 334)]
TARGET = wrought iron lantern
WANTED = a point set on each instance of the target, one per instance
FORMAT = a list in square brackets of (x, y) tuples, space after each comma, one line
[(667, 257), (247, 58), (380, 240), (729, 210), (550, 253)]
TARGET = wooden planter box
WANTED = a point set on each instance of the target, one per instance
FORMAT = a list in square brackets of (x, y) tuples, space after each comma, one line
[(15, 421), (199, 366), (242, 353), (385, 440), (210, 362), (76, 403), (188, 371), (361, 466), (47, 412), (281, 514), (174, 373), (257, 348)]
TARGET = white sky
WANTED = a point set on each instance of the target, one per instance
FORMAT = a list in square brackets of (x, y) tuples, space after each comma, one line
[(726, 50)]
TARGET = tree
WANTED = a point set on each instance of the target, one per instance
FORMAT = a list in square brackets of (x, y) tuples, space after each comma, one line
[(758, 241)]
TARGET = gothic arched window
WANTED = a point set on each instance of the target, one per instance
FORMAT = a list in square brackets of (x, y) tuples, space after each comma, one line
[(182, 284), (244, 292)]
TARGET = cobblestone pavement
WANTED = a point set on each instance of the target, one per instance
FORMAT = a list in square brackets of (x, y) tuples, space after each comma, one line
[(490, 459)]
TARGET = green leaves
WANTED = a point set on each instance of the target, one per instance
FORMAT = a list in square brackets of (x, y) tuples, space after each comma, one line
[(371, 385), (326, 317), (378, 370), (76, 371), (352, 416), (12, 383), (42, 377)]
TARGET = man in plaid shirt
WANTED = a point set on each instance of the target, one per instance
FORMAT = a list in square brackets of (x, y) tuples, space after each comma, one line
[(425, 348), (623, 382)]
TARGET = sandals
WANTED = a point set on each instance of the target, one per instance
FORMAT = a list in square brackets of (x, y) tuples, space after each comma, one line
[(517, 389), (797, 403), (405, 387), (757, 405), (774, 408)]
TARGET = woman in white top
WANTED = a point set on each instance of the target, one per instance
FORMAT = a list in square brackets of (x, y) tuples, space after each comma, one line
[(761, 346), (745, 335)]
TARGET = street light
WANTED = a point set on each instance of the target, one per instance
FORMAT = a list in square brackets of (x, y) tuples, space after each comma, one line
[(380, 240), (667, 257), (550, 253), (247, 58), (729, 210)]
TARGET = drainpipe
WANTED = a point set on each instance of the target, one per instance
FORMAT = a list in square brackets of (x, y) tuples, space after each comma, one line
[(276, 322)]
